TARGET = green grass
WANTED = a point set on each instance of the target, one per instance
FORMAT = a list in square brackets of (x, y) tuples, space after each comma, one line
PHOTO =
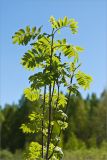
[(7, 155), (85, 154), (82, 154)]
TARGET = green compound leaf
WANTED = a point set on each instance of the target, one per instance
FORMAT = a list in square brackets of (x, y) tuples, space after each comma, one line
[(34, 151), (62, 115), (29, 60), (72, 66), (32, 127), (34, 58), (62, 100), (62, 124), (59, 152), (47, 54), (40, 79), (79, 49), (73, 26), (35, 116), (27, 128), (68, 50), (74, 89), (33, 29), (22, 37), (31, 94), (83, 80), (27, 29), (65, 22)]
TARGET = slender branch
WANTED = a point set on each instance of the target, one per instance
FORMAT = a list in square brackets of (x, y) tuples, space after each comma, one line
[(60, 128), (53, 89), (59, 46), (50, 105), (58, 86), (56, 107), (60, 28), (65, 110), (52, 128), (51, 101), (55, 145), (68, 101), (47, 39), (70, 90), (43, 122)]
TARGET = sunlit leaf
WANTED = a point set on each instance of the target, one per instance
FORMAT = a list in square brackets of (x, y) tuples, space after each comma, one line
[(31, 94), (83, 80)]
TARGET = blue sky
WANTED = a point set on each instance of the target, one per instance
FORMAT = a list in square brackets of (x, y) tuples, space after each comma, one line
[(15, 14)]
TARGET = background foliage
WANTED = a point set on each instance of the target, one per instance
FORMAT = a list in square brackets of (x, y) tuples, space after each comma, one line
[(87, 127)]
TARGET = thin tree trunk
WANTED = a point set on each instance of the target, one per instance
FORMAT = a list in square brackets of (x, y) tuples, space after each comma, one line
[(43, 123), (50, 102)]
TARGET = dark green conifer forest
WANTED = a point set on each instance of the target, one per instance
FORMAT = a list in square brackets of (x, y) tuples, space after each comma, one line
[(87, 128)]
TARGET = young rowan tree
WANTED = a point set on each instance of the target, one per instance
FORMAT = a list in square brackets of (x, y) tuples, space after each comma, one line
[(57, 66)]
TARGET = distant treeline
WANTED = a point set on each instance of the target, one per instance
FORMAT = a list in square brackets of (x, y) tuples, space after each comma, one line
[(87, 120)]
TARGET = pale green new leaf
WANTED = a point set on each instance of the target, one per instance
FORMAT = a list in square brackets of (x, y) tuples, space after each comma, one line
[(27, 128), (62, 100), (73, 89), (65, 22), (27, 29), (22, 37), (45, 131), (83, 80), (59, 152), (79, 49), (33, 29), (66, 49), (42, 46), (73, 26), (53, 22), (33, 59), (62, 115), (72, 66), (34, 151), (35, 116), (62, 124), (31, 94), (29, 60), (56, 60)]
